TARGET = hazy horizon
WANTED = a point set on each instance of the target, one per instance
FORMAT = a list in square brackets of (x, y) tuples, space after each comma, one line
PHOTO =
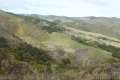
[(73, 8)]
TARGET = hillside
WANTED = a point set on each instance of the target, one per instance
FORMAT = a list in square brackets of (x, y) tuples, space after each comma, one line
[(37, 47), (103, 25)]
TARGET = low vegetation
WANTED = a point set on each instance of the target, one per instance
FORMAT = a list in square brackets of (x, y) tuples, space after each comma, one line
[(43, 48)]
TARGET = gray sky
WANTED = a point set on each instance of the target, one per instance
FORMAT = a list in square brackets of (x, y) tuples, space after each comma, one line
[(72, 8)]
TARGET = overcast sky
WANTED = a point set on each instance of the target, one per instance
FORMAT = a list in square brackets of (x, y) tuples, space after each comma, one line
[(73, 8)]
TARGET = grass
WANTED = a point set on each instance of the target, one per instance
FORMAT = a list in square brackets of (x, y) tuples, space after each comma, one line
[(64, 41), (86, 51)]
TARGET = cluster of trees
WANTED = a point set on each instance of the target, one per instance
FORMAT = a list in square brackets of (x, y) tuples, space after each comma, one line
[(44, 24)]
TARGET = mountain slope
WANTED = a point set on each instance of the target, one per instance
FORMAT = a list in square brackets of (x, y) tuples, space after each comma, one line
[(103, 25), (42, 48)]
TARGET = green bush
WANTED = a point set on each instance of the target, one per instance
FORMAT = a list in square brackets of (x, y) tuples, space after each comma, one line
[(25, 52)]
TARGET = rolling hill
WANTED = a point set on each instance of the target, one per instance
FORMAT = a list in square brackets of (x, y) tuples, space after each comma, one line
[(37, 47)]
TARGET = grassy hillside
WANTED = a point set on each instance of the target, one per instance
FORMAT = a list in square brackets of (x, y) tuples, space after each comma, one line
[(34, 47), (103, 25)]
